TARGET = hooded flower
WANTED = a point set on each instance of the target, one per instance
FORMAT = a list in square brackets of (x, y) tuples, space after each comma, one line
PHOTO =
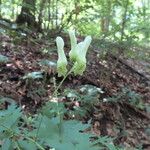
[(81, 49), (87, 43), (62, 61), (73, 53), (77, 54), (80, 63)]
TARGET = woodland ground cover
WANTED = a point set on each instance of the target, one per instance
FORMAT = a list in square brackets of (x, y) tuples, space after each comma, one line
[(103, 103)]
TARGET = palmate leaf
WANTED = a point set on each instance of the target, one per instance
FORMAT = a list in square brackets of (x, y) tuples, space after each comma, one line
[(51, 109), (65, 137), (9, 118), (26, 145), (7, 145), (106, 142), (48, 127)]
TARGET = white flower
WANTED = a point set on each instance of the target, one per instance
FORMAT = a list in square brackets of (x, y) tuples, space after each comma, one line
[(77, 54), (62, 60), (73, 53), (81, 49), (87, 42)]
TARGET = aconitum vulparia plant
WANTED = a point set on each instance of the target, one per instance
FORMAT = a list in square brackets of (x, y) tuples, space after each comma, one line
[(77, 55)]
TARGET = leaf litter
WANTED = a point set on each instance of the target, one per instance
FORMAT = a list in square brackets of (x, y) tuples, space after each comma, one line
[(129, 125)]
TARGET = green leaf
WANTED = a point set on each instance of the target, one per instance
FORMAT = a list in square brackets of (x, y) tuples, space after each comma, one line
[(48, 127), (9, 118), (105, 141), (26, 145), (33, 75), (7, 145), (51, 109), (47, 63), (71, 94), (64, 136), (3, 59)]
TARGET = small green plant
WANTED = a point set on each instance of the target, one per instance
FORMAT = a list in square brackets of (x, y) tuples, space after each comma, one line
[(126, 94), (13, 134), (48, 67), (86, 96), (30, 77), (33, 75)]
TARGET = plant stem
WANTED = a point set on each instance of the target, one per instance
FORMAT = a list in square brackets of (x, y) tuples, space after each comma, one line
[(38, 128), (17, 146), (37, 144), (55, 94), (60, 84)]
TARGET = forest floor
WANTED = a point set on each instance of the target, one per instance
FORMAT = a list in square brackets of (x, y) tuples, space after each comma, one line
[(123, 107)]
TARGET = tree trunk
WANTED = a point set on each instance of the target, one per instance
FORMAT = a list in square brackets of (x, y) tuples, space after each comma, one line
[(0, 9), (40, 21), (27, 15), (106, 17), (124, 20)]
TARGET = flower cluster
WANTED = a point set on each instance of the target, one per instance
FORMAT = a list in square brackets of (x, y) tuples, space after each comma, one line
[(77, 54)]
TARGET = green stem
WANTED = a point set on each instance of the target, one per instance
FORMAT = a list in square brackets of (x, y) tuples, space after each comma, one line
[(17, 146), (55, 94), (60, 126), (60, 84), (37, 144), (38, 128)]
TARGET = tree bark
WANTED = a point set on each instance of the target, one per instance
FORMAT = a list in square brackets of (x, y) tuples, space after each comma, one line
[(0, 9), (40, 21), (27, 15), (106, 17), (124, 20)]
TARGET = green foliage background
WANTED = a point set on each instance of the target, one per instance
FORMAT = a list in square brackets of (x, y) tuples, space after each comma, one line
[(127, 18)]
